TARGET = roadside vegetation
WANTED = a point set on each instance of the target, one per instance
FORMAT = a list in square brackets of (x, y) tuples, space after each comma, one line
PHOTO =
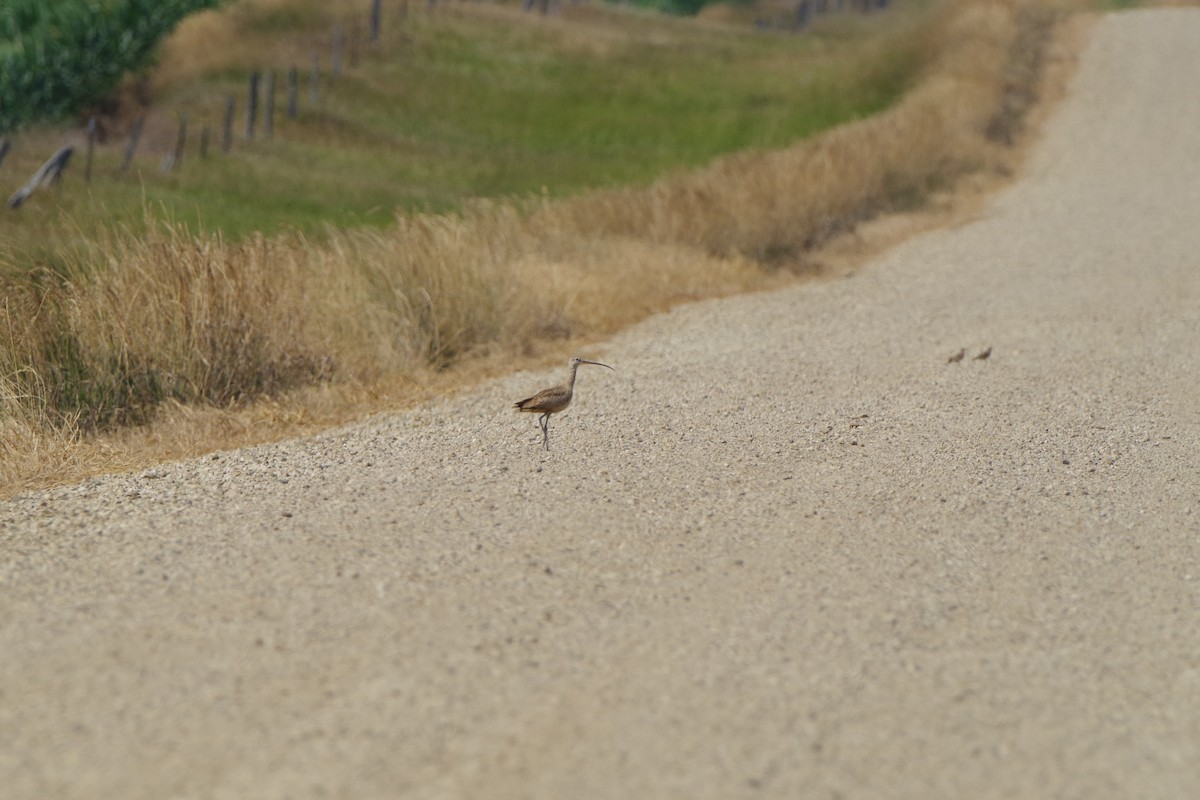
[(462, 102), (122, 344)]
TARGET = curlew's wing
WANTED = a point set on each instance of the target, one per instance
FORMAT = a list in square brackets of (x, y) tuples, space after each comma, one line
[(552, 400)]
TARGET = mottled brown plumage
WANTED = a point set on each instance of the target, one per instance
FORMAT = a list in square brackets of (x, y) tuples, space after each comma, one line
[(553, 400)]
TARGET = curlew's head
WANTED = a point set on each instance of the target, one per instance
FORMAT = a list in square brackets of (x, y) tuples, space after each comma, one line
[(575, 362)]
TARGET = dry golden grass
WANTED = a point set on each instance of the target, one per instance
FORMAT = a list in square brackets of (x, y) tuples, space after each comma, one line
[(233, 343), (245, 36)]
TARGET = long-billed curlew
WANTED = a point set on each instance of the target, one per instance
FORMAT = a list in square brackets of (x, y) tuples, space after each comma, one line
[(554, 400)]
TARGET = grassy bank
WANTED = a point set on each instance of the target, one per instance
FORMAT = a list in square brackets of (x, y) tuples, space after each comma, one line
[(232, 339), (467, 101)]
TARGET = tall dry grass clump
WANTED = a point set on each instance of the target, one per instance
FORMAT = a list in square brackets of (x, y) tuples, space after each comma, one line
[(122, 325), (130, 321), (430, 291), (437, 289)]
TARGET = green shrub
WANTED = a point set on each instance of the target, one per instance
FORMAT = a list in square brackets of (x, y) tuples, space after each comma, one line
[(57, 58)]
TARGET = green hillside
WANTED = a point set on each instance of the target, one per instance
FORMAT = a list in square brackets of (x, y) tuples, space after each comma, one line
[(451, 103)]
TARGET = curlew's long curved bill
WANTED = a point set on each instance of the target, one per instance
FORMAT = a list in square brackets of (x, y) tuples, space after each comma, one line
[(597, 363)]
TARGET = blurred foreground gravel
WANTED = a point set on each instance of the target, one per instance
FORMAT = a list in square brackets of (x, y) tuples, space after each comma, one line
[(787, 550)]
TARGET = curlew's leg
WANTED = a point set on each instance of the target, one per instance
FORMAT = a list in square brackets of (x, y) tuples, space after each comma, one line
[(544, 419)]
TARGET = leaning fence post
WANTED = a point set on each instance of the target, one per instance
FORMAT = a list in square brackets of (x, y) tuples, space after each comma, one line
[(293, 91), (227, 132), (91, 147), (50, 172), (252, 105)]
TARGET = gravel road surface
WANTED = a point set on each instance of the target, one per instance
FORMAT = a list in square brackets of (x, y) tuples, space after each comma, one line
[(787, 550)]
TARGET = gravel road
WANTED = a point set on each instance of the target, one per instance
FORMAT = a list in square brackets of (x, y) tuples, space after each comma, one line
[(787, 550)]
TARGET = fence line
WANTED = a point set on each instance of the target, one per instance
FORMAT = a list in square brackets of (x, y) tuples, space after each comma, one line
[(802, 14)]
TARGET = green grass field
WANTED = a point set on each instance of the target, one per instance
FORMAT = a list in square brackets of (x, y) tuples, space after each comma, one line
[(467, 101)]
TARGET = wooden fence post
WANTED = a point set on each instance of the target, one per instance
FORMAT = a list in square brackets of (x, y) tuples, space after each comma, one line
[(252, 105), (293, 92), (91, 147), (227, 132), (802, 16), (269, 105), (204, 136), (313, 87), (335, 56), (50, 172), (5, 146), (135, 135), (376, 13), (180, 140)]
